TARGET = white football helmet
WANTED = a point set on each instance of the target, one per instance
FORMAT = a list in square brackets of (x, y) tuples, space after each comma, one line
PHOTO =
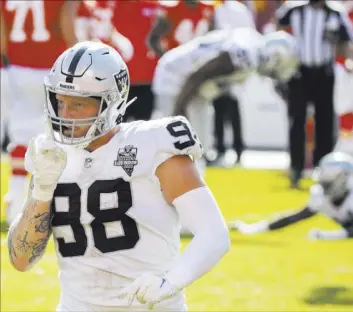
[(335, 174), (88, 69), (278, 56)]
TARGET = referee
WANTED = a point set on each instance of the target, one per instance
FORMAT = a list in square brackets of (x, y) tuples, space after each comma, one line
[(321, 28)]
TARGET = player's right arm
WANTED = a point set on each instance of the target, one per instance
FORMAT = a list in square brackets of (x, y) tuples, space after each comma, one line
[(221, 65), (122, 43), (264, 225), (313, 206), (67, 21), (30, 231), (160, 28)]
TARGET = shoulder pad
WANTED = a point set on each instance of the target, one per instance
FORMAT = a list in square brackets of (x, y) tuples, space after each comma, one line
[(175, 135)]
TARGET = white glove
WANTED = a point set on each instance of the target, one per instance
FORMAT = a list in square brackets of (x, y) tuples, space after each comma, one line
[(49, 161), (249, 229), (149, 289)]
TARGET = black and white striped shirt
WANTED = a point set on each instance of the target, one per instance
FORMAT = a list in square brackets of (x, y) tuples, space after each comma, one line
[(317, 30)]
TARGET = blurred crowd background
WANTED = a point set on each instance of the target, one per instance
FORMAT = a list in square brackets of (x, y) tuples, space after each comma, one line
[(253, 116)]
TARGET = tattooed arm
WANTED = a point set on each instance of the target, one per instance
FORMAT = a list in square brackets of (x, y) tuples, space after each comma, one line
[(29, 233)]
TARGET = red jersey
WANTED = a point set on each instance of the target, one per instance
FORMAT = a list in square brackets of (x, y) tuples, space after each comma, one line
[(187, 22), (84, 10), (134, 20), (100, 14), (35, 38)]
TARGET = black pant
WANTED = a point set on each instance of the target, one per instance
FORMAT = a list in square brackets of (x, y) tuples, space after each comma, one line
[(313, 85), (142, 108), (227, 108)]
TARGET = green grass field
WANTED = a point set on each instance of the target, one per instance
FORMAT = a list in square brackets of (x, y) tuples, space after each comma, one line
[(279, 271)]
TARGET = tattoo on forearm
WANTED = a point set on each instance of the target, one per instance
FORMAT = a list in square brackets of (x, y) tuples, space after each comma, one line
[(20, 243), (12, 251), (38, 249), (43, 221)]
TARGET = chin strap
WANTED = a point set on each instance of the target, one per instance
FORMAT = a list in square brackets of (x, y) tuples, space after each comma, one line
[(119, 119), (130, 102)]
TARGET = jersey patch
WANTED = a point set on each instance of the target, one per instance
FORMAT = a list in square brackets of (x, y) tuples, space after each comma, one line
[(126, 159)]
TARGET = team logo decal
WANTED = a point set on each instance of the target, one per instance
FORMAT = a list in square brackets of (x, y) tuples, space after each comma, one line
[(126, 159), (122, 81)]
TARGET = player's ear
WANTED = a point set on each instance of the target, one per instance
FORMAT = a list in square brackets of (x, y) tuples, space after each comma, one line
[(185, 177)]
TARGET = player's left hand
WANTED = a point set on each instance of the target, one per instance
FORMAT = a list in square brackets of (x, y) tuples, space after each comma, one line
[(149, 289)]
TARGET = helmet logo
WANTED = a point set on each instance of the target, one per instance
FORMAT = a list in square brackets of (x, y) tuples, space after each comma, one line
[(122, 80)]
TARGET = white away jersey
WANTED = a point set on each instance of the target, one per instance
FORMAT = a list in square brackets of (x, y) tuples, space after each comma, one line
[(319, 202), (111, 223), (178, 64)]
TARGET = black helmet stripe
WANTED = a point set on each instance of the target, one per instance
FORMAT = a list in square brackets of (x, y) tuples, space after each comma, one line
[(74, 63)]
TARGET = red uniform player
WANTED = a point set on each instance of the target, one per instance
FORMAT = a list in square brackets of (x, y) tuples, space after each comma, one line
[(94, 21), (135, 19), (187, 20), (37, 32)]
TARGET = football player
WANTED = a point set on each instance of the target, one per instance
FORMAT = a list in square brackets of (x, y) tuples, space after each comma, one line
[(37, 32), (192, 75), (113, 194), (178, 22), (331, 196)]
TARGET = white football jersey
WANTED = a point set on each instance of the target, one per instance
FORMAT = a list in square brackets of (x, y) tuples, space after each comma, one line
[(111, 222), (321, 203), (233, 14), (178, 64)]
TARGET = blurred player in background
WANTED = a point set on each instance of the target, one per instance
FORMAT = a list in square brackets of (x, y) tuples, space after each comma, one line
[(229, 15), (344, 96), (134, 19), (178, 22), (114, 194), (331, 196), (189, 77), (94, 21), (125, 25), (5, 87), (37, 33)]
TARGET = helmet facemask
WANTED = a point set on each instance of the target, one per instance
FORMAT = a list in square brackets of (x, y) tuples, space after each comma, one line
[(112, 107), (87, 70)]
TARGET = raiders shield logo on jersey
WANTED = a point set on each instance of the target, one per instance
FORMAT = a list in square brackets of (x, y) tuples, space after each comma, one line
[(127, 159)]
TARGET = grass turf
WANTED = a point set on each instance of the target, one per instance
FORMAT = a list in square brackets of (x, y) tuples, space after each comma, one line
[(278, 271)]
